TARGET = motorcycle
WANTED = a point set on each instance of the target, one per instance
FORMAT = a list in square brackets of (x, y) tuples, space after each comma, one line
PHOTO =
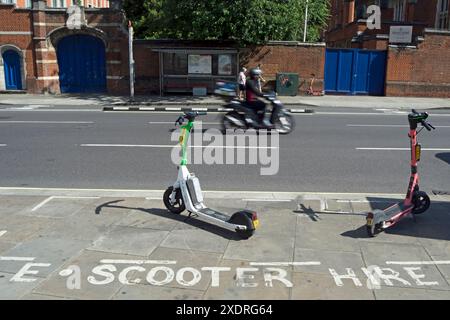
[(244, 117)]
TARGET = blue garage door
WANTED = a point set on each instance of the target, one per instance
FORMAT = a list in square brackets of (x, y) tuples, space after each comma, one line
[(355, 71), (81, 61), (11, 61)]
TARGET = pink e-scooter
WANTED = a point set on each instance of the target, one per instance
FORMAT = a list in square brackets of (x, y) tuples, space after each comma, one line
[(416, 201)]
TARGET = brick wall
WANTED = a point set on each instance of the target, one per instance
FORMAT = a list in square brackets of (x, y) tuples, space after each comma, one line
[(304, 59), (422, 71)]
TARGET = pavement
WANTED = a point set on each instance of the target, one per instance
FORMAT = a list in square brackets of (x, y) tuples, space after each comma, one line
[(214, 101), (106, 244)]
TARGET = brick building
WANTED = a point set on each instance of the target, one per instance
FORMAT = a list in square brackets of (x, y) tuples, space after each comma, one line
[(60, 3), (348, 28), (41, 53), (418, 67)]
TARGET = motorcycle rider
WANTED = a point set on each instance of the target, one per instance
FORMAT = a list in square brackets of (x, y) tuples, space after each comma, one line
[(252, 93)]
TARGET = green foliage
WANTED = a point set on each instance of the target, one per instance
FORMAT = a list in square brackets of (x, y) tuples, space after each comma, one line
[(246, 21)]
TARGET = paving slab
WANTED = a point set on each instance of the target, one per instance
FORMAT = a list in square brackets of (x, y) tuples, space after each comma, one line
[(59, 207), (53, 251), (313, 286), (189, 237), (151, 218), (191, 259), (261, 248), (395, 293), (6, 245), (20, 228), (35, 296), (399, 257), (87, 260), (129, 240), (148, 292), (251, 287), (338, 260), (14, 290), (18, 204)]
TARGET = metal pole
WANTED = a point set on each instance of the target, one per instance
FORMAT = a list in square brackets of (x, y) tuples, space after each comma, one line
[(131, 60), (306, 22)]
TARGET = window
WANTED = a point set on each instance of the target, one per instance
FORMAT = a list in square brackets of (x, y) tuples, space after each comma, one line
[(399, 10), (442, 17), (28, 4)]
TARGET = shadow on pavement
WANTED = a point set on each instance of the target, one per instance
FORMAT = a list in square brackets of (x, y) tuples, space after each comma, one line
[(444, 156), (192, 221)]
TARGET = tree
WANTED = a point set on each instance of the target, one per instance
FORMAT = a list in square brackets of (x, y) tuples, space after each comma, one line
[(245, 21)]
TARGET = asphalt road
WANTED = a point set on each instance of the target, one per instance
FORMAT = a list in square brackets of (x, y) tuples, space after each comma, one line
[(48, 149)]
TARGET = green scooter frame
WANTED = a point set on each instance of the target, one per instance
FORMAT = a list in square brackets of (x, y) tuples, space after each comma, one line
[(186, 192)]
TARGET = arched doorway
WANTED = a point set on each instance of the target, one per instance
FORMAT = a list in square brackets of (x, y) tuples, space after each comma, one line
[(82, 65), (11, 62)]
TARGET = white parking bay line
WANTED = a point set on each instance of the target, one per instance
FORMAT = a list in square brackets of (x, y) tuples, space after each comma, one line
[(387, 125), (41, 204), (16, 258), (122, 261), (172, 122), (171, 146), (3, 232), (285, 264), (404, 149), (418, 262), (3, 145), (46, 122)]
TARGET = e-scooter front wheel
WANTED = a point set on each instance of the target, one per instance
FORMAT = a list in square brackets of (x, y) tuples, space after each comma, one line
[(421, 202), (177, 206)]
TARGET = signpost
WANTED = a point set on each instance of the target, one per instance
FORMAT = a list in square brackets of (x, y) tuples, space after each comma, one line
[(131, 59)]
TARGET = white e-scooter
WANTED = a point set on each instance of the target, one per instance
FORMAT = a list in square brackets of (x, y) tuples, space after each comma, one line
[(187, 194)]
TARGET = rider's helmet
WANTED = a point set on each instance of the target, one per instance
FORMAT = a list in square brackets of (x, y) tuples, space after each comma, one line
[(255, 72)]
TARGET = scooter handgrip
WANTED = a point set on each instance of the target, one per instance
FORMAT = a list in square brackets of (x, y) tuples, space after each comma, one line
[(427, 125)]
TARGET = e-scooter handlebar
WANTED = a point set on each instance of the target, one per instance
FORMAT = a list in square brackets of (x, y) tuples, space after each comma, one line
[(189, 115), (419, 117), (427, 125)]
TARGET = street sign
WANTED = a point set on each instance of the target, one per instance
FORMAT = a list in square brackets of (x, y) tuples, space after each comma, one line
[(400, 34)]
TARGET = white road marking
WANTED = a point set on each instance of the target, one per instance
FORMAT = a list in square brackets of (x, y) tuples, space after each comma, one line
[(122, 261), (173, 122), (268, 200), (373, 114), (387, 125), (418, 262), (50, 110), (48, 122), (285, 264), (150, 198), (3, 232), (3, 145), (16, 258), (405, 149), (40, 205), (171, 146), (363, 201)]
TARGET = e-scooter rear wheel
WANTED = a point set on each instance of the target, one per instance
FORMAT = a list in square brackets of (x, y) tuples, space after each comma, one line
[(421, 202), (178, 206), (372, 228)]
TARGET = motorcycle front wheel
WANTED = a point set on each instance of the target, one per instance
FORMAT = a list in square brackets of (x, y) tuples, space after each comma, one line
[(284, 124)]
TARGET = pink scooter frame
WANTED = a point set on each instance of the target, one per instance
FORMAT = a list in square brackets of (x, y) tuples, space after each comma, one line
[(416, 201)]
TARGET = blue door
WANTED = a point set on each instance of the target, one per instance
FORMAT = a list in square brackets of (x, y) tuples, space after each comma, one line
[(81, 61), (11, 61), (355, 71)]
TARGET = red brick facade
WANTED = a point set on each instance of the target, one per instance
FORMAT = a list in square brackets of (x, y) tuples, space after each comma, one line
[(34, 33), (422, 71)]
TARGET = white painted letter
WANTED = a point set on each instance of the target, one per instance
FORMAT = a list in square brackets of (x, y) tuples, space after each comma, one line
[(123, 275), (197, 276), (417, 277), (281, 276), (151, 276), (100, 271), (18, 277), (350, 275), (215, 274), (241, 276)]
